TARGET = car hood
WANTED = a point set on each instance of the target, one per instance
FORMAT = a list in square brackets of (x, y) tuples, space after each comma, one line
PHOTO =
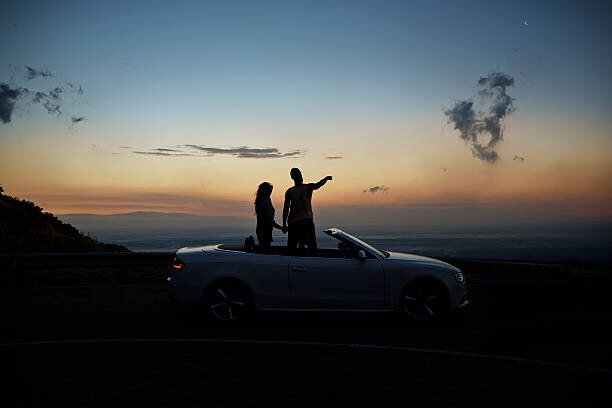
[(402, 257)]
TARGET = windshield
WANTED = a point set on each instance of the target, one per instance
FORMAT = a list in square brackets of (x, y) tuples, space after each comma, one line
[(361, 243)]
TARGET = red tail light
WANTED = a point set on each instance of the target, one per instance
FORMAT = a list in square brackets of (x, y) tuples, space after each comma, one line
[(177, 265)]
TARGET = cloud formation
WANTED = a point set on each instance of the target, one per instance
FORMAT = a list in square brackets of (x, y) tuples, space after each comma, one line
[(333, 157), (376, 189), (51, 100), (473, 125), (160, 149), (74, 88), (518, 158), (157, 153), (242, 152), (8, 97), (32, 73), (246, 152)]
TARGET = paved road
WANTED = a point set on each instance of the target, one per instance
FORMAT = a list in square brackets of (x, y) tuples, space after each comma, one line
[(129, 345)]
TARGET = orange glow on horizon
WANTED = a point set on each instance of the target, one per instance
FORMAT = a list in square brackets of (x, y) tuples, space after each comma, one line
[(416, 165)]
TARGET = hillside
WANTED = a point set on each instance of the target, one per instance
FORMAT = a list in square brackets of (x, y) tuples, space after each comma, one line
[(25, 227)]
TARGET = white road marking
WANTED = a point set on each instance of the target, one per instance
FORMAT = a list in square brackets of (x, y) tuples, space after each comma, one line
[(357, 346)]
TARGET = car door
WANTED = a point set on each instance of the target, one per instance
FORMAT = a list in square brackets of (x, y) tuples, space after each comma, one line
[(336, 283), (268, 278)]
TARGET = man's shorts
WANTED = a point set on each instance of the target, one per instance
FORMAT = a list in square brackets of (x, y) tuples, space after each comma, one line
[(302, 233)]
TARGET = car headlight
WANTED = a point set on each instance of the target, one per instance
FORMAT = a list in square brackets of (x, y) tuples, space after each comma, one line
[(459, 277)]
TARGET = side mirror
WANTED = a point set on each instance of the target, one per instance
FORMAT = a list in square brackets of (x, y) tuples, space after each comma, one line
[(361, 255)]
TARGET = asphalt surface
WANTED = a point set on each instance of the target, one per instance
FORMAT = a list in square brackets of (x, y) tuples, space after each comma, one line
[(129, 345)]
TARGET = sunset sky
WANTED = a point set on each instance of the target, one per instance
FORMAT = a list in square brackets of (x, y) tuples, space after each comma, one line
[(357, 90)]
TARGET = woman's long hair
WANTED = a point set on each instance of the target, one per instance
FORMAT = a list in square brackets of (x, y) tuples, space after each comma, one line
[(263, 191)]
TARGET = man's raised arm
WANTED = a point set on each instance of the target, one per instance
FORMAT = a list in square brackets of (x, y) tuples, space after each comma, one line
[(322, 182)]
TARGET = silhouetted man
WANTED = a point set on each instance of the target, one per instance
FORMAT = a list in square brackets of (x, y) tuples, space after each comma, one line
[(297, 211)]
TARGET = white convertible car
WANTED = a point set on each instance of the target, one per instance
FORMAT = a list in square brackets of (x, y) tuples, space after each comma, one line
[(230, 282)]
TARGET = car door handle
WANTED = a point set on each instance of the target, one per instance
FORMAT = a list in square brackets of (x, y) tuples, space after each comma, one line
[(299, 269)]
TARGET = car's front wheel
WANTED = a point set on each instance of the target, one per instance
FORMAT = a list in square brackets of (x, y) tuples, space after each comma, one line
[(228, 301), (424, 300)]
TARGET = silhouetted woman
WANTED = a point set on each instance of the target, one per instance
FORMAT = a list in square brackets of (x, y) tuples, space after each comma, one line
[(265, 215)]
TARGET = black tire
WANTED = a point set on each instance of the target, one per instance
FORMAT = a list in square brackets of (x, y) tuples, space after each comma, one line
[(228, 301), (424, 300)]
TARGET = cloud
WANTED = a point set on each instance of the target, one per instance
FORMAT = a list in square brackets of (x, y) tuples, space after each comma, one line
[(246, 152), (8, 97), (52, 107), (74, 88), (155, 153), (39, 97), (51, 100), (56, 93), (472, 125), (518, 158), (32, 73), (166, 150), (376, 189), (495, 82), (333, 157), (242, 152)]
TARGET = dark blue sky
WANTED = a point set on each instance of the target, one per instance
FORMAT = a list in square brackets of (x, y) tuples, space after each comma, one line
[(303, 58)]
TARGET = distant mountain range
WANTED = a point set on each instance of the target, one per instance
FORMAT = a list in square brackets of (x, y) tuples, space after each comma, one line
[(142, 221)]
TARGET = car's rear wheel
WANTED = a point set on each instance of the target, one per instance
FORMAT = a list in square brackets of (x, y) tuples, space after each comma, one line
[(424, 300), (228, 301)]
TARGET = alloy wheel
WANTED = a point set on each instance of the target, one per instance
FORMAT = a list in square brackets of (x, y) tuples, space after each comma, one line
[(423, 301), (228, 302)]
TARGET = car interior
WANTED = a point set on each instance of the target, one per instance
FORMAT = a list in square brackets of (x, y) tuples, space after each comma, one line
[(344, 250)]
